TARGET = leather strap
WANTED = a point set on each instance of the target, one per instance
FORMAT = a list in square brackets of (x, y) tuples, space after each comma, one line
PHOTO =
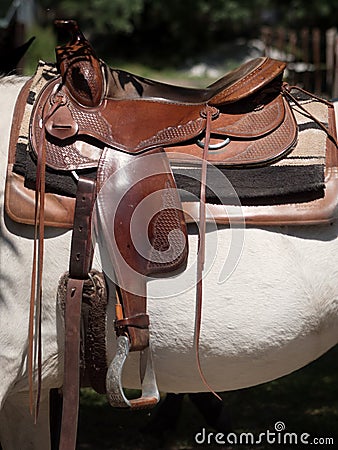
[(37, 267), (286, 90), (80, 262), (137, 321), (201, 251), (82, 249), (71, 378)]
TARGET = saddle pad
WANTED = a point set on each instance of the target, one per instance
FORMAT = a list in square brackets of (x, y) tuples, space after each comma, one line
[(20, 200)]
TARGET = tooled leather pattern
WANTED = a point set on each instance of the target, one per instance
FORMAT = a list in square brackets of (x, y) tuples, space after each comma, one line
[(174, 133), (166, 229), (283, 138), (64, 154), (92, 121), (168, 243), (81, 72), (262, 119)]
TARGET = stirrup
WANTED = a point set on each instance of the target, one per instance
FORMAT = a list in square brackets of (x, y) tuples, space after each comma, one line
[(115, 394)]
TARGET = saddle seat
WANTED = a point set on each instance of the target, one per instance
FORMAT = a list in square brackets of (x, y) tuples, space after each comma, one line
[(240, 83)]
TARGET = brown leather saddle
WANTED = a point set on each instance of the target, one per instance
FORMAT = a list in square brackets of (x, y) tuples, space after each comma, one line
[(129, 130), (254, 127), (245, 105)]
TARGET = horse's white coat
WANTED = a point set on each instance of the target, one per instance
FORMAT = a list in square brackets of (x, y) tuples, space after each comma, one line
[(276, 312)]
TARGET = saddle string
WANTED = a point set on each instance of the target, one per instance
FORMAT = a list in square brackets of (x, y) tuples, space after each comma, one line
[(286, 90), (201, 252), (35, 309)]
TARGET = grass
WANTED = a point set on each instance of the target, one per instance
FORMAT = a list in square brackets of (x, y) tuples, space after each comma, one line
[(305, 401)]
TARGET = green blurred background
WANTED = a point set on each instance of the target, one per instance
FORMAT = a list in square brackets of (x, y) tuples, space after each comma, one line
[(193, 40)]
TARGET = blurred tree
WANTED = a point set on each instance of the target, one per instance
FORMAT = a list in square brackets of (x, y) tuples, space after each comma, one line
[(105, 15), (129, 15), (183, 27), (179, 27), (310, 13), (114, 16)]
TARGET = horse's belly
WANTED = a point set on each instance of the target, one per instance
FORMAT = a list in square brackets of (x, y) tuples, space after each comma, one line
[(276, 311)]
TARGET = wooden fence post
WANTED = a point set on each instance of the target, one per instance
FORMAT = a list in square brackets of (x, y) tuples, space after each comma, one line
[(335, 80), (305, 55), (316, 35), (319, 72), (293, 40), (331, 35)]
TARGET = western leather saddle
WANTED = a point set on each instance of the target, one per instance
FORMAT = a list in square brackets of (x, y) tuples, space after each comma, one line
[(129, 130)]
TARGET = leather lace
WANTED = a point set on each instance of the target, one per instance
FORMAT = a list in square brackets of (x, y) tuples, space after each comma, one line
[(37, 270), (201, 251), (286, 90)]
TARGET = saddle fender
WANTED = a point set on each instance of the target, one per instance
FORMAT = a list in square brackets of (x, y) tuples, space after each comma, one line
[(137, 198)]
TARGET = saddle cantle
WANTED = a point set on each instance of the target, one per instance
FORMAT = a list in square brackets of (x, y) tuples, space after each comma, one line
[(118, 137)]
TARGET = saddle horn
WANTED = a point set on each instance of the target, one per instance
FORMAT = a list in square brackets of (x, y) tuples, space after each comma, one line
[(79, 66)]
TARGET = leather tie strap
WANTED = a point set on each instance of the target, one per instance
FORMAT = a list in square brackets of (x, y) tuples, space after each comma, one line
[(71, 378), (80, 262), (201, 251), (286, 90), (37, 267)]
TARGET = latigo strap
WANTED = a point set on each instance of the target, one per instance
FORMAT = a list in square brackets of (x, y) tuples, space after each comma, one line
[(79, 266)]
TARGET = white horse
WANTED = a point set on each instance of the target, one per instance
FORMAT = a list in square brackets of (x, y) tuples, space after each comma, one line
[(268, 311)]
